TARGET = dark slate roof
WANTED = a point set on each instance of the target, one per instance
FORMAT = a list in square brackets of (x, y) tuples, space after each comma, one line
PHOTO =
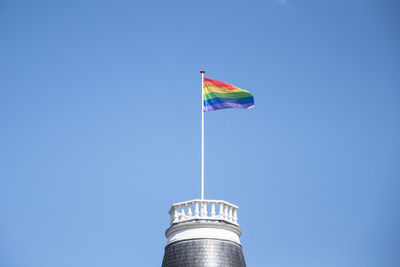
[(203, 253)]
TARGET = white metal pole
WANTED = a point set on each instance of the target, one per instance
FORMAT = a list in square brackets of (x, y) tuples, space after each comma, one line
[(202, 134)]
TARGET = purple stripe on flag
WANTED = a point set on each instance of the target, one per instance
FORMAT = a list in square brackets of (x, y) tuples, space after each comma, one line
[(227, 105)]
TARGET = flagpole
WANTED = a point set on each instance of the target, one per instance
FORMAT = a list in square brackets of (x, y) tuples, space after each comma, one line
[(202, 134)]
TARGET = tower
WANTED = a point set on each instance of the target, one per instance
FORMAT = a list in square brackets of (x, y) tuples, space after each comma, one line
[(203, 233)]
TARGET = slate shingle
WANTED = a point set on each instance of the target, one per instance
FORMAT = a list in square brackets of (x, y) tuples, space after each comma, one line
[(203, 253)]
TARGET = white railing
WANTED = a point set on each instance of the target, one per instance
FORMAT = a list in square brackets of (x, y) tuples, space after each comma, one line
[(210, 210)]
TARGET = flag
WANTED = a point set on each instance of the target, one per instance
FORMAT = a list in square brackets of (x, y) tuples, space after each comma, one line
[(220, 95)]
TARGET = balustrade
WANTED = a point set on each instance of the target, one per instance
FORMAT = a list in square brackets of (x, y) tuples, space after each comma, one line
[(204, 210)]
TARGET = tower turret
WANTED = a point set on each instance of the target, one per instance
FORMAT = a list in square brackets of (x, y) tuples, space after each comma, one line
[(203, 233)]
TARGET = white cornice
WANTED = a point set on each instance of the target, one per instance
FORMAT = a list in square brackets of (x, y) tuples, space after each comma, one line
[(203, 229)]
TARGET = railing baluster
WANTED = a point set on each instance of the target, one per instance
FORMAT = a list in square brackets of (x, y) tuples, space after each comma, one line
[(230, 214), (235, 218), (190, 209), (221, 210), (182, 213), (213, 209), (176, 215), (196, 209), (226, 212), (203, 209), (186, 208), (171, 215)]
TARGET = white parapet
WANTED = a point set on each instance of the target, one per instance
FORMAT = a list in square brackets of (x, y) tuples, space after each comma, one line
[(194, 219), (207, 210)]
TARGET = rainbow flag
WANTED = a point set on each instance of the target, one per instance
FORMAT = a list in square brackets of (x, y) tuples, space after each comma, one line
[(219, 95)]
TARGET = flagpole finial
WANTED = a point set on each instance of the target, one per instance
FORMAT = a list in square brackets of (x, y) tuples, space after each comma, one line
[(202, 71)]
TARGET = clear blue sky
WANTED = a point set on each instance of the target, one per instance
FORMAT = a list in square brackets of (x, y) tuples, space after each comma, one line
[(100, 128)]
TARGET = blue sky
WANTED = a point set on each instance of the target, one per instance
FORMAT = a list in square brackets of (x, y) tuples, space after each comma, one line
[(100, 128)]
